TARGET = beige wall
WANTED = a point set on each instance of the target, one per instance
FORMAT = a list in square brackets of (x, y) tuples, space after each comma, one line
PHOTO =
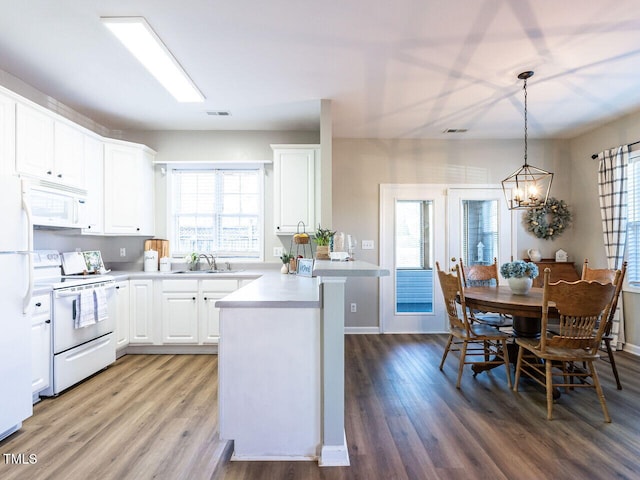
[(360, 166), (588, 230)]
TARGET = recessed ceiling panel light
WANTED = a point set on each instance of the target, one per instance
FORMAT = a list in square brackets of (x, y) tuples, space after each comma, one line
[(140, 39)]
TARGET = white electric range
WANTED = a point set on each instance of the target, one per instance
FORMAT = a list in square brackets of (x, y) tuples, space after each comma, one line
[(82, 321)]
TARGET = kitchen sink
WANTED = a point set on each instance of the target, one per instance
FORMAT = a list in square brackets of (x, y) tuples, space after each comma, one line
[(203, 272)]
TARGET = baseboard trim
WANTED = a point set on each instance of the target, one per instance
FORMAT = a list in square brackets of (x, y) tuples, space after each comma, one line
[(630, 348), (361, 330), (335, 455), (168, 350)]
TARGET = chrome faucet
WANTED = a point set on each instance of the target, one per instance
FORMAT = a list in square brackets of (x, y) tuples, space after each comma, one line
[(211, 260)]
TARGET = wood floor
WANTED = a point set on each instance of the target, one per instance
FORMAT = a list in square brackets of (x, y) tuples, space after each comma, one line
[(155, 416)]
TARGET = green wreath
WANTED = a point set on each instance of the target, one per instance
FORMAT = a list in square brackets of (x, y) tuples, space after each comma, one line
[(548, 221)]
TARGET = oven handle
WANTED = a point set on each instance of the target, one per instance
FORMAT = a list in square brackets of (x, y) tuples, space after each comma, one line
[(64, 293)]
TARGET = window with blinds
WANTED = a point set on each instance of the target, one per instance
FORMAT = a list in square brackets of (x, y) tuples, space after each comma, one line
[(633, 220), (217, 211), (413, 223), (480, 231)]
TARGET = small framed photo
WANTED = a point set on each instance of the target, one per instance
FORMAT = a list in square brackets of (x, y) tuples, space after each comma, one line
[(305, 267)]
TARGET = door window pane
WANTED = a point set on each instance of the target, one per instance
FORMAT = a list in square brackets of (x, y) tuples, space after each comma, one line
[(480, 231), (414, 254)]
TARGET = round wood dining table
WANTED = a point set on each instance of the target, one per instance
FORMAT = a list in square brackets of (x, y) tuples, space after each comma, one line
[(526, 310)]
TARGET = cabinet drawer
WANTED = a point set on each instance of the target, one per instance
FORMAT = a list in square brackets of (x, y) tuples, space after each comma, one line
[(180, 286), (222, 285), (41, 306)]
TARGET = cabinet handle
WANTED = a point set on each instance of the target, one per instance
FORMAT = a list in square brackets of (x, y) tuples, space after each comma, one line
[(59, 175), (38, 304), (49, 172), (47, 321), (117, 286), (138, 229)]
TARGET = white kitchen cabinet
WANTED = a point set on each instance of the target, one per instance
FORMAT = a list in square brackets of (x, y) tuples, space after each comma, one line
[(7, 135), (189, 314), (180, 311), (128, 189), (123, 314), (141, 311), (296, 192), (210, 291), (68, 157), (94, 174), (40, 343), (34, 143)]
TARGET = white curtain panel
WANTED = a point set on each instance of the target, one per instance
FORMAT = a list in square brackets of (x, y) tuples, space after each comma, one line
[(612, 186)]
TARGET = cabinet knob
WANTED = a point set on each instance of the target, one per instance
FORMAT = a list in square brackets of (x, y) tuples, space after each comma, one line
[(138, 229), (117, 286), (193, 298), (47, 321), (38, 304), (205, 298), (59, 175), (49, 172)]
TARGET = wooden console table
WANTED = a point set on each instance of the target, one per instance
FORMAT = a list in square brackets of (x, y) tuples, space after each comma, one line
[(559, 271)]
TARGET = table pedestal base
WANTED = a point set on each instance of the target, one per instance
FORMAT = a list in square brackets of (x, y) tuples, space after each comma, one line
[(526, 327)]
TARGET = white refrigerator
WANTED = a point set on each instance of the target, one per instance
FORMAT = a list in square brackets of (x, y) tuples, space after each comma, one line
[(16, 286)]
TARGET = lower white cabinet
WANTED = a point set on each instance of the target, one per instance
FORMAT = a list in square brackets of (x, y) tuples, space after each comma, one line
[(141, 311), (123, 314), (40, 343), (189, 314)]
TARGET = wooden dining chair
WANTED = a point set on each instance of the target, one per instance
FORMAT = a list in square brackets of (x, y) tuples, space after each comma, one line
[(473, 339), (606, 275), (481, 276), (580, 305)]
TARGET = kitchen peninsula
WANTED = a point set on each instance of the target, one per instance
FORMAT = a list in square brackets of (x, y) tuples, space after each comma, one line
[(281, 365)]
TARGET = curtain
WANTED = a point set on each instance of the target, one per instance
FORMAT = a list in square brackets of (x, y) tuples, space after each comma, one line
[(612, 187)]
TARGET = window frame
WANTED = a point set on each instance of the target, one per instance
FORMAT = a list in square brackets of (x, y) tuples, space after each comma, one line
[(629, 284), (211, 166)]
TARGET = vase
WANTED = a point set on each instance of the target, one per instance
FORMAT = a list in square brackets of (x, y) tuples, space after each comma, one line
[(284, 268), (520, 285), (322, 252)]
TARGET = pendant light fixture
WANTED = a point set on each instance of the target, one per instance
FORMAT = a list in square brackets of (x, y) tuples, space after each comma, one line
[(528, 186)]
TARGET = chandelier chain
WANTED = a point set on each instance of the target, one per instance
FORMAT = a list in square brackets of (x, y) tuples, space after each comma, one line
[(525, 121)]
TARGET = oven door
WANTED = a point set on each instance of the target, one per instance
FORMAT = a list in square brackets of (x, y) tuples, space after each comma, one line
[(65, 335)]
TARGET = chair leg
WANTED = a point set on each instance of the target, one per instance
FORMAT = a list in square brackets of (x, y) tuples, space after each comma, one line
[(518, 365), (596, 383), (507, 366), (446, 351), (463, 355), (607, 342), (549, 378)]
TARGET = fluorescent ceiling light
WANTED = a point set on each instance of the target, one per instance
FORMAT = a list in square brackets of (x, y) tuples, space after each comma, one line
[(138, 36)]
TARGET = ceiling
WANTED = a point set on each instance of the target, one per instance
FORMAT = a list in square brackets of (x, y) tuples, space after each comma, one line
[(402, 69)]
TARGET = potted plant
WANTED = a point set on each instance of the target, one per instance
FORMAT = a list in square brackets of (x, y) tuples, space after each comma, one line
[(520, 275), (192, 260), (286, 258), (322, 238)]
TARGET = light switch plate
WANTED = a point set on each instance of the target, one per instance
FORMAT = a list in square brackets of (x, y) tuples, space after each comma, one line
[(277, 251), (367, 244)]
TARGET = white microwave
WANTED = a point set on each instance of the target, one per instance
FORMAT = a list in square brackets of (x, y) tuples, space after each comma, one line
[(53, 205)]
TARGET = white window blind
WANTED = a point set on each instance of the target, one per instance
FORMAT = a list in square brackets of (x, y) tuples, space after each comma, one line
[(217, 211), (633, 220)]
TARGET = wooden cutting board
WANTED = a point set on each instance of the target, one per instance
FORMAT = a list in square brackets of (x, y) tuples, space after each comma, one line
[(159, 245)]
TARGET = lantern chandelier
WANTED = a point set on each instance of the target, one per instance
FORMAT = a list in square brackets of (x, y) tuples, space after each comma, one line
[(528, 186)]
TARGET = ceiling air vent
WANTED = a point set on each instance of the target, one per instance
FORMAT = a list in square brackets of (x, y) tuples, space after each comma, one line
[(219, 113), (454, 130)]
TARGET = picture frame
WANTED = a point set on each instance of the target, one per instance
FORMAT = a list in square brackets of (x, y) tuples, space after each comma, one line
[(305, 267)]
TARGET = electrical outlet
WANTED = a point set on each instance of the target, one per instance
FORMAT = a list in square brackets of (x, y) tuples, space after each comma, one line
[(367, 244), (354, 307), (123, 252), (277, 251)]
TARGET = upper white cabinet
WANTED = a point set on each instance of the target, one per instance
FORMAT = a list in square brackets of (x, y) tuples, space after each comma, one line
[(48, 148), (7, 135), (296, 194), (34, 143), (94, 172), (69, 158), (128, 189)]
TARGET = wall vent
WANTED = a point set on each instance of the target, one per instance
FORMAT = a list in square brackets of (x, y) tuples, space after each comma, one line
[(454, 130), (219, 113)]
